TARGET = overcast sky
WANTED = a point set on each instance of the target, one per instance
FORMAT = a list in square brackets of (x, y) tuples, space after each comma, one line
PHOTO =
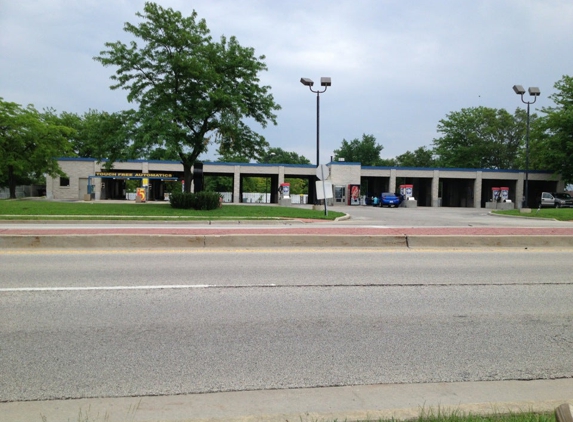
[(397, 66)]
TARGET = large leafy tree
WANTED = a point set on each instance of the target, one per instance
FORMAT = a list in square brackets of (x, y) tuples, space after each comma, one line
[(191, 90), (280, 156), (101, 135), (30, 143), (552, 140), (421, 157), (365, 151), (481, 137)]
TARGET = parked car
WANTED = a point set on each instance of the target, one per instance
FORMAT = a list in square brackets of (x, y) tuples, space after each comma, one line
[(556, 199), (388, 199)]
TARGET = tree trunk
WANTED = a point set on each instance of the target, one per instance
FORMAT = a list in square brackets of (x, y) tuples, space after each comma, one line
[(12, 182), (187, 177)]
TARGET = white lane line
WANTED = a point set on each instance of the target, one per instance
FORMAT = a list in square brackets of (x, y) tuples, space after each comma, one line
[(104, 288)]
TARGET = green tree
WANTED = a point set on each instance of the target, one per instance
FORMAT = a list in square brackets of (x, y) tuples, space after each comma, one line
[(387, 162), (191, 90), (421, 157), (481, 137), (551, 146), (280, 156), (101, 135), (30, 143), (225, 183), (365, 151)]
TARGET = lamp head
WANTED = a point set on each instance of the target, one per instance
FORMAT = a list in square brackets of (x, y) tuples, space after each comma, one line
[(306, 81), (534, 91), (325, 82), (518, 89)]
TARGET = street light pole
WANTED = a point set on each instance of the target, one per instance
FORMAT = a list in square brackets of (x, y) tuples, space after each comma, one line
[(325, 82), (268, 159), (534, 92)]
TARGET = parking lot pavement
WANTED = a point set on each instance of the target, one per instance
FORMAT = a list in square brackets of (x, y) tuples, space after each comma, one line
[(440, 217)]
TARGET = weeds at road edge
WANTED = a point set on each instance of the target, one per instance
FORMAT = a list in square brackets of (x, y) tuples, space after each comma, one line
[(84, 416), (426, 415)]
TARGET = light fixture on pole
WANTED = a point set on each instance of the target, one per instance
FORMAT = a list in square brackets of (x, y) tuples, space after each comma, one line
[(324, 82), (534, 92)]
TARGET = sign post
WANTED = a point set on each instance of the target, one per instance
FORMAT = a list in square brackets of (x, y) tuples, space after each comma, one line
[(321, 170)]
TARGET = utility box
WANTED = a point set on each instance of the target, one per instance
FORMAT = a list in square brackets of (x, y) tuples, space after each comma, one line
[(495, 194), (284, 195), (284, 191), (140, 195), (354, 195), (504, 193), (407, 191), (407, 196), (500, 199)]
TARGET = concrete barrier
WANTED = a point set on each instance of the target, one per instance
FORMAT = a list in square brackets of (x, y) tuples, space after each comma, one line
[(272, 241), (490, 241)]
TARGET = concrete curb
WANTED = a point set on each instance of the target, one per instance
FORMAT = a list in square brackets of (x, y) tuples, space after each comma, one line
[(197, 241), (505, 241), (151, 241)]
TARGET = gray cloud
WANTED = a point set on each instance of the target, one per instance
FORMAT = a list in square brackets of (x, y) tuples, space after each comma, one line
[(397, 67)]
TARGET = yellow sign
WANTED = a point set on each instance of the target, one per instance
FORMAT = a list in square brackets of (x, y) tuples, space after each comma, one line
[(132, 174), (140, 195), (145, 182)]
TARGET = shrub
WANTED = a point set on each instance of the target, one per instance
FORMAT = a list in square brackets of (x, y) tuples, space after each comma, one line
[(204, 201), (207, 200), (182, 200)]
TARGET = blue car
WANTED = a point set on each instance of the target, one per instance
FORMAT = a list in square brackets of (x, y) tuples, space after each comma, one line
[(388, 199)]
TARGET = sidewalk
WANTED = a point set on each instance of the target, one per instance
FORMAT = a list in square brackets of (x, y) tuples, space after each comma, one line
[(369, 402)]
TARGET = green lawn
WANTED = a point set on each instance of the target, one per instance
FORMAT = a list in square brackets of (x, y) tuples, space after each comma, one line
[(562, 214), (26, 209)]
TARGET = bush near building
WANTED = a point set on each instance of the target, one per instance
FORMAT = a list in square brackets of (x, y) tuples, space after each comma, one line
[(203, 201)]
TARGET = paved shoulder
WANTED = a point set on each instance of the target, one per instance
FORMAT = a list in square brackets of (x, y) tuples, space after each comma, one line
[(399, 401)]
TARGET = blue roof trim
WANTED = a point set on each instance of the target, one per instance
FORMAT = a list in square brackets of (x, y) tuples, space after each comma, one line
[(75, 159), (344, 163), (455, 169), (221, 163)]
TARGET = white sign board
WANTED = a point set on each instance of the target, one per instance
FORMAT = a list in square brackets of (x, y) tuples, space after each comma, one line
[(323, 190), (322, 172)]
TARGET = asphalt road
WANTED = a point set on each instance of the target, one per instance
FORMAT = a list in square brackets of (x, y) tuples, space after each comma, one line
[(116, 323)]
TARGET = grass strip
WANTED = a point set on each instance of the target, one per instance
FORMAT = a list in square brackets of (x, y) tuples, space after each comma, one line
[(457, 416), (561, 214), (18, 209)]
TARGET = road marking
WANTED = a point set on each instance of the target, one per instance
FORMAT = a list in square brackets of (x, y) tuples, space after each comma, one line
[(283, 286), (282, 250), (92, 288)]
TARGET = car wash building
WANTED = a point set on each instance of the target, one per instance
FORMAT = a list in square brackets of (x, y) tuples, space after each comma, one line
[(88, 179)]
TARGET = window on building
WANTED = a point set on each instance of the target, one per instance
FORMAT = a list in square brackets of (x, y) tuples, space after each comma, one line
[(65, 182)]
